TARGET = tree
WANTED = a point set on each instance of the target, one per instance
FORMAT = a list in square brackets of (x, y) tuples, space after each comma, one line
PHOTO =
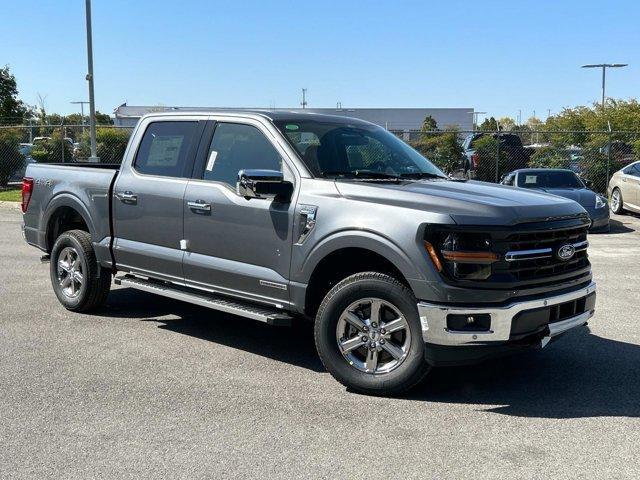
[(12, 110), (429, 124), (444, 150), (11, 160), (489, 125), (507, 124)]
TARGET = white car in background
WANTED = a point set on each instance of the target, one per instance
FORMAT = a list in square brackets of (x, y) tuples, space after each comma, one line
[(624, 189)]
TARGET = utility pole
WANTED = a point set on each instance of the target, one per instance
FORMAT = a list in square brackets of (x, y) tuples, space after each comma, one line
[(82, 103), (92, 103), (304, 98), (519, 116), (548, 112)]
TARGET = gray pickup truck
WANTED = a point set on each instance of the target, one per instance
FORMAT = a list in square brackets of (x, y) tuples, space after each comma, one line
[(280, 216)]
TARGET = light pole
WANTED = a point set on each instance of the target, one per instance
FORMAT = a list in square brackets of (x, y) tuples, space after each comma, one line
[(82, 103), (92, 103), (604, 67), (475, 118)]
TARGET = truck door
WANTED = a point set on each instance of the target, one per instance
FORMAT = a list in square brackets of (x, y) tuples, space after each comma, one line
[(149, 193), (235, 245)]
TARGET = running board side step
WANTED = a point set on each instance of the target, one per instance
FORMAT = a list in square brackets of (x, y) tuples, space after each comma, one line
[(271, 316)]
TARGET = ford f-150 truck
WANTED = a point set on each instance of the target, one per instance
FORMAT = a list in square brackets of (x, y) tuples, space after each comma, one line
[(281, 216)]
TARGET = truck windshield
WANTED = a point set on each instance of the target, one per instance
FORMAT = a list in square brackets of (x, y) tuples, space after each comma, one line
[(549, 179), (355, 150)]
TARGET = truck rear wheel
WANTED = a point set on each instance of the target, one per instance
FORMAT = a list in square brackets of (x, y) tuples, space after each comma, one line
[(78, 280), (369, 337)]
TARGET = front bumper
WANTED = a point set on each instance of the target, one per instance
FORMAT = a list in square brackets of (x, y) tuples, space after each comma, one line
[(523, 323), (599, 218)]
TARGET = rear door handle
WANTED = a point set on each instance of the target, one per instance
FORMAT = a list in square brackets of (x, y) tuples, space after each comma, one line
[(199, 205), (127, 197)]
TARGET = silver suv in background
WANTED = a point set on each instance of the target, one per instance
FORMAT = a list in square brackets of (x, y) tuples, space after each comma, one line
[(624, 189)]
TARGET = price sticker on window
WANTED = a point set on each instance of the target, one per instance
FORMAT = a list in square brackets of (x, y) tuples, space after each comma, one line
[(212, 160)]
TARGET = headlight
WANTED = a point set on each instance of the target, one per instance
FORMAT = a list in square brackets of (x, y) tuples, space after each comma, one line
[(462, 256), (600, 201)]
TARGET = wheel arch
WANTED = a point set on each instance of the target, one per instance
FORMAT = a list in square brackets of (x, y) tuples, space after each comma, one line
[(65, 212), (351, 252)]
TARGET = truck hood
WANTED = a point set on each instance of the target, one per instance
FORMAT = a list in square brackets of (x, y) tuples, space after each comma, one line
[(468, 203)]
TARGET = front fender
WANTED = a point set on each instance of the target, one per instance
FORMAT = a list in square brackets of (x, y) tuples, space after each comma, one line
[(364, 239)]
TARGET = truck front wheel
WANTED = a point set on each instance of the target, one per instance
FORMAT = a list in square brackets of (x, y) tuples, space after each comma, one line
[(78, 280), (368, 335)]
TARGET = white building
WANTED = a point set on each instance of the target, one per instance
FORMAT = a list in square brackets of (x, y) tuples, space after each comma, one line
[(394, 119)]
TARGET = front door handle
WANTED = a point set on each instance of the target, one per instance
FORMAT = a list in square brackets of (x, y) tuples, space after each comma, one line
[(199, 205), (127, 197)]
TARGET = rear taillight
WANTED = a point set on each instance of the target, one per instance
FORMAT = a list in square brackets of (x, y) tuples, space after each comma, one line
[(475, 159), (27, 190)]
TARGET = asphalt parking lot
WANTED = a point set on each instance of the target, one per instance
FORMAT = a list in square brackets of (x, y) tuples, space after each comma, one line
[(149, 387)]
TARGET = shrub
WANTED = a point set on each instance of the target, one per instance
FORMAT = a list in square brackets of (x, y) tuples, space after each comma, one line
[(10, 158), (111, 144), (444, 150), (486, 148), (53, 150), (549, 157)]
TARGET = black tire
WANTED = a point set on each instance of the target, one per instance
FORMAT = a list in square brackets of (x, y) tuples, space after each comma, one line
[(619, 210), (409, 372), (92, 291)]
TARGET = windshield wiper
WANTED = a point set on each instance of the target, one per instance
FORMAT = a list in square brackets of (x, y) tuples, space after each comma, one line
[(362, 175), (421, 175)]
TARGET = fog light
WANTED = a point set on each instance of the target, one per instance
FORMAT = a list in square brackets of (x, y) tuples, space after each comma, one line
[(469, 322)]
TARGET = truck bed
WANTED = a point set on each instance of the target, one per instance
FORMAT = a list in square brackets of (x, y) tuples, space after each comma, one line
[(85, 187)]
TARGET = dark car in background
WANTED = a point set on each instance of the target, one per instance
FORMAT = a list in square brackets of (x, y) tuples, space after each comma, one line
[(511, 147), (564, 183)]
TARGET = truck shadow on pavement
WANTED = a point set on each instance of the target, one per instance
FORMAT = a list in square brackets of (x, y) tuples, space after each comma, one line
[(582, 375), (293, 345)]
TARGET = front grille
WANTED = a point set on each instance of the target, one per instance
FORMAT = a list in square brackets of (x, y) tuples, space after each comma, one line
[(528, 254), (533, 254)]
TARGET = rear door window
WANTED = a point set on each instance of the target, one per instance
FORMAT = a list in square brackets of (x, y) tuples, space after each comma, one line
[(164, 148)]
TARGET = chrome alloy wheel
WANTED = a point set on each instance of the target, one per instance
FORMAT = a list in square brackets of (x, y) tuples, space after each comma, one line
[(69, 272), (615, 200), (373, 336)]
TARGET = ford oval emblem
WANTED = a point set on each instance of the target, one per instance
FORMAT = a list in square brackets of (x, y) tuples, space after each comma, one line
[(566, 252)]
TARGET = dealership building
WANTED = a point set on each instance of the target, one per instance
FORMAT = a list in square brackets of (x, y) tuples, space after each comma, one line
[(394, 119)]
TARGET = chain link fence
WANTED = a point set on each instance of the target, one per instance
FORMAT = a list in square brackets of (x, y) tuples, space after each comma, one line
[(486, 156), (21, 145), (490, 155)]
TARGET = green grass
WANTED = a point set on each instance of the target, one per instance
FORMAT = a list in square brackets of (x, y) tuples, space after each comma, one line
[(10, 196)]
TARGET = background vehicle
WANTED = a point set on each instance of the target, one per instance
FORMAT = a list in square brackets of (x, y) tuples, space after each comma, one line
[(25, 151), (624, 189), (277, 216), (510, 146), (564, 183), (621, 153)]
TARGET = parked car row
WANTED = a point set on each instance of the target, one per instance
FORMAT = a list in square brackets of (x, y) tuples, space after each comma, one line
[(623, 190), (567, 184)]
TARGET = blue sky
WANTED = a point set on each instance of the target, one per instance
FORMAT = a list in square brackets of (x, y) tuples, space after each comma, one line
[(493, 56)]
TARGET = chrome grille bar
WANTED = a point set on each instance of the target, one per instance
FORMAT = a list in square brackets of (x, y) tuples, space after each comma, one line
[(522, 255)]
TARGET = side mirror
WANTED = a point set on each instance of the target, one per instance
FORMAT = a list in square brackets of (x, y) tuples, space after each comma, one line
[(268, 184)]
